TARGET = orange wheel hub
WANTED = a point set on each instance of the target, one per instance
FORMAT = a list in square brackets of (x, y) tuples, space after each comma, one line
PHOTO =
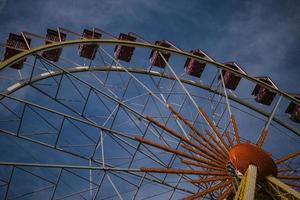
[(242, 155)]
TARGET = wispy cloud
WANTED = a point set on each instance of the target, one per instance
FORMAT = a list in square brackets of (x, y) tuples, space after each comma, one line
[(261, 39), (91, 12), (259, 36), (2, 4)]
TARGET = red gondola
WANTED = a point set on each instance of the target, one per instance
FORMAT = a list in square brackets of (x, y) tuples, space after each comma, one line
[(156, 59), (54, 36), (124, 52), (294, 111), (263, 95), (17, 44), (89, 50), (231, 80), (194, 67)]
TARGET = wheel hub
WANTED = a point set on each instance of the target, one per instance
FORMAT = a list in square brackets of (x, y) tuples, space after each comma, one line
[(242, 155)]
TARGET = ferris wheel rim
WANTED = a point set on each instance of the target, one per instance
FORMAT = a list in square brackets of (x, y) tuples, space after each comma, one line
[(216, 64), (19, 85)]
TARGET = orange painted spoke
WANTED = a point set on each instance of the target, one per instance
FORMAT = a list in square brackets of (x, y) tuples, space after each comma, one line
[(209, 155), (196, 164), (229, 138), (289, 177), (205, 180), (202, 154), (235, 129), (287, 157), (172, 132), (215, 141), (182, 138), (213, 127), (211, 146), (214, 149), (286, 169), (292, 184), (175, 151), (262, 137), (225, 194), (182, 171), (210, 189)]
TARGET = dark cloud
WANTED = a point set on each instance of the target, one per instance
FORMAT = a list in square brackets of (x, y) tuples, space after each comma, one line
[(261, 35), (2, 4)]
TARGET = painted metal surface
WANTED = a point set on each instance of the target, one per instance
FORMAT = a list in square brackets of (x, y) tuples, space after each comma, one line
[(245, 154)]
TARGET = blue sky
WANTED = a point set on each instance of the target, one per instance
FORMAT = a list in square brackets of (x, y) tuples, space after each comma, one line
[(263, 36)]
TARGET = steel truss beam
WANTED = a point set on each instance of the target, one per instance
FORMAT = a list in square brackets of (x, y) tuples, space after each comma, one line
[(29, 103), (68, 166), (37, 78), (282, 190)]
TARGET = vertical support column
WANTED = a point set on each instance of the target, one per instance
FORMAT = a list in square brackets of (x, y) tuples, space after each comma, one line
[(251, 182), (246, 190)]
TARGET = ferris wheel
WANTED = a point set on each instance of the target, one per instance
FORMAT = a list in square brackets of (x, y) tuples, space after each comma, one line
[(94, 116)]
